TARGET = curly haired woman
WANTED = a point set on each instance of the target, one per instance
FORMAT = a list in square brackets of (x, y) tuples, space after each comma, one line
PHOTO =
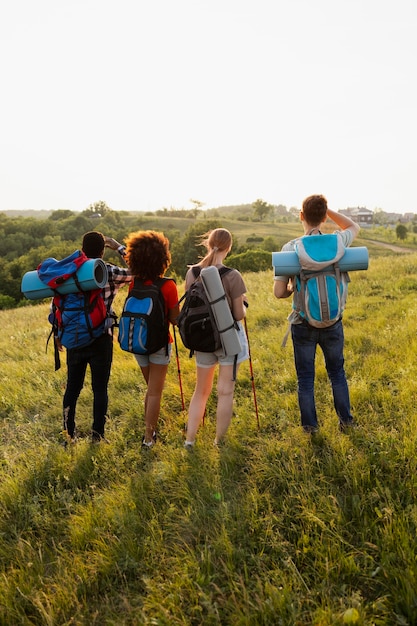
[(148, 257)]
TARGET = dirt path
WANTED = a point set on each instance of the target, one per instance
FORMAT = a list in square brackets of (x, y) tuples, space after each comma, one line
[(391, 246)]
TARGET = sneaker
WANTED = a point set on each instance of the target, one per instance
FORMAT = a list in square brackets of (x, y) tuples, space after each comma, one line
[(97, 438), (345, 427), (69, 440), (189, 445), (311, 430), (149, 444)]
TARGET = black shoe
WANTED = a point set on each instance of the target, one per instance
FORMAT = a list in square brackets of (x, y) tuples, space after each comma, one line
[(311, 430), (97, 438), (69, 439)]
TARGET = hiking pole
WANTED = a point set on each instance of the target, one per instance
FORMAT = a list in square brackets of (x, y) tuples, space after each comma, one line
[(251, 373), (179, 369)]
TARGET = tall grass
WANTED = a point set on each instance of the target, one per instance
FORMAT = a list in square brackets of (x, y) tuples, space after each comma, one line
[(273, 528)]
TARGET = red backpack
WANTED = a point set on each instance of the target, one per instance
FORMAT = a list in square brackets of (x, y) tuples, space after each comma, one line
[(77, 318)]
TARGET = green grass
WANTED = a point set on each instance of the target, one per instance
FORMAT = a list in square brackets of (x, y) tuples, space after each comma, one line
[(273, 528)]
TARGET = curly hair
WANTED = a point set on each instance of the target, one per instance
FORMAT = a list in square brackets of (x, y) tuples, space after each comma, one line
[(147, 254)]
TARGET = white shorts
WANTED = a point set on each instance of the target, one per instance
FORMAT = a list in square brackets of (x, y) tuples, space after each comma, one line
[(208, 359), (158, 358)]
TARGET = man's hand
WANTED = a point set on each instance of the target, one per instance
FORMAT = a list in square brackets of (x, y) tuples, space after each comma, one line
[(111, 243)]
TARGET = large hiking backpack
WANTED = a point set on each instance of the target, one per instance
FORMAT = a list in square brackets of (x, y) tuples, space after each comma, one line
[(320, 289), (143, 326), (196, 322), (77, 318)]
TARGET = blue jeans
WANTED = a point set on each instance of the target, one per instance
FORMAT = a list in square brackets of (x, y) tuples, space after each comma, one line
[(98, 355), (305, 340)]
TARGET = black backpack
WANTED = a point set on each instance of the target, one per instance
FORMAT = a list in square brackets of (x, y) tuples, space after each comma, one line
[(143, 326), (196, 322)]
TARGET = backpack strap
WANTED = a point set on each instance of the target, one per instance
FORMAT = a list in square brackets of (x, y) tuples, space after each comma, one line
[(284, 341), (196, 269)]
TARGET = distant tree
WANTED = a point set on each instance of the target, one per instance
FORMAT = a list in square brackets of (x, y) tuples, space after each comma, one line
[(295, 212), (98, 209), (281, 209), (380, 217), (261, 209), (401, 232), (197, 208), (60, 214), (197, 203)]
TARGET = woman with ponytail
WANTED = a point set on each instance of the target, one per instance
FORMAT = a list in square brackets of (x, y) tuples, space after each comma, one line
[(218, 243)]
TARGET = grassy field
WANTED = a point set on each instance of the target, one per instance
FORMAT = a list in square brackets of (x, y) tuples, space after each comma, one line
[(273, 528)]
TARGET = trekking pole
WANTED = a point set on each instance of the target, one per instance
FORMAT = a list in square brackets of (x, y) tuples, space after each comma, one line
[(179, 369), (251, 373)]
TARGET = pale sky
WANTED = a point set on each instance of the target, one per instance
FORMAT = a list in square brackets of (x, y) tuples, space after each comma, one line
[(150, 103)]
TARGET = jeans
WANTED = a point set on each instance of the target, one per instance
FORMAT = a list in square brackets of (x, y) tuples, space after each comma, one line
[(98, 355), (305, 340)]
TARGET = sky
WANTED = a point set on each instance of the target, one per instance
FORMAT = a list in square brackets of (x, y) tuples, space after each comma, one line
[(147, 104)]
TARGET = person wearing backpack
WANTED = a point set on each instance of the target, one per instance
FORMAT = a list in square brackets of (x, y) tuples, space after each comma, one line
[(98, 354), (218, 243), (148, 257), (306, 336)]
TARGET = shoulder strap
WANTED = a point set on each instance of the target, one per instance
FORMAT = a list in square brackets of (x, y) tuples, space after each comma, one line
[(138, 282), (196, 270), (223, 270), (162, 280)]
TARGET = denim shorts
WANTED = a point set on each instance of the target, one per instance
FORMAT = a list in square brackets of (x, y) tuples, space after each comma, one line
[(157, 358), (208, 359)]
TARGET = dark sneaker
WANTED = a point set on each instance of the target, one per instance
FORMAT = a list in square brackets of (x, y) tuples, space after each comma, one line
[(311, 430), (69, 440), (97, 438)]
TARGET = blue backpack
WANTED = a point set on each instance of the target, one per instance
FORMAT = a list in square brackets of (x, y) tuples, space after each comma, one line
[(320, 289), (77, 318), (143, 326)]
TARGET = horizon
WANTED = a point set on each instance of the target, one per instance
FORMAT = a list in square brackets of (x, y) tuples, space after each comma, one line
[(192, 208), (148, 106)]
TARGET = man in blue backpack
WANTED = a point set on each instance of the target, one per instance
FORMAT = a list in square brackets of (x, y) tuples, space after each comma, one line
[(305, 336), (99, 353)]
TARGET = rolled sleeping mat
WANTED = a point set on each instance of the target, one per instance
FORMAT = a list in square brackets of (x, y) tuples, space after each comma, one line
[(287, 263), (91, 275), (214, 289)]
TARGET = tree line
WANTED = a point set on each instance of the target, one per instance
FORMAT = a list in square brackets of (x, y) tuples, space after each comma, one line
[(26, 241)]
